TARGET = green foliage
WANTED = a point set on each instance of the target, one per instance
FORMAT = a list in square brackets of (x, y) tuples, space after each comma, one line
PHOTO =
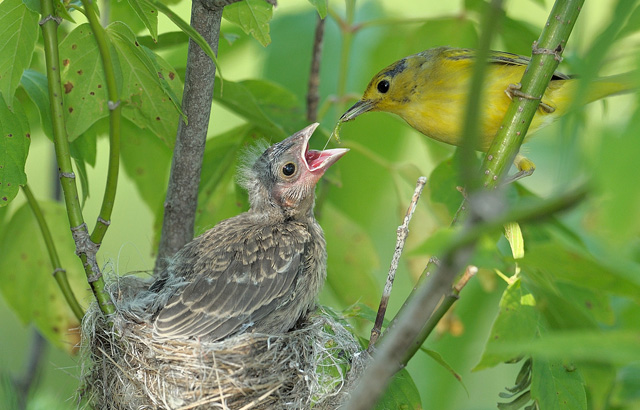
[(253, 17), (25, 274), (19, 33), (402, 393), (14, 146)]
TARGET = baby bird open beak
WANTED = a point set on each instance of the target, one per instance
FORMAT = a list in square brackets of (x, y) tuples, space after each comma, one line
[(317, 162), (358, 108)]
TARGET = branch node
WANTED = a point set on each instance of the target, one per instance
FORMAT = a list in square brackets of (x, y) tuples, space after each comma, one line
[(103, 221), (67, 175), (58, 270), (556, 53), (57, 19), (95, 277), (113, 105)]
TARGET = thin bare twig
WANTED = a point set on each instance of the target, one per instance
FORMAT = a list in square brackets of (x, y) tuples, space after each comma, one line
[(402, 233), (314, 77)]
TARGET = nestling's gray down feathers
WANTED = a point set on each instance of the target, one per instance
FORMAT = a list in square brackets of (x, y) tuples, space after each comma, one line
[(261, 270)]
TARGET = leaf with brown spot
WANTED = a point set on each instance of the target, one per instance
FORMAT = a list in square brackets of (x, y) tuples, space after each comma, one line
[(143, 93), (26, 282), (83, 72), (14, 147), (68, 86)]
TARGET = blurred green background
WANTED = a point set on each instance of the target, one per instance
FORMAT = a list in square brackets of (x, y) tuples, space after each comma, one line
[(372, 186)]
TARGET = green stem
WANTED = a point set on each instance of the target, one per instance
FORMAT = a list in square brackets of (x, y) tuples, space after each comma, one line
[(84, 247), (104, 217), (547, 54), (471, 129), (58, 273)]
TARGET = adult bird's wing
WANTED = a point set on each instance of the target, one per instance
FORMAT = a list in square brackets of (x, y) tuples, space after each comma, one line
[(496, 57), (237, 275)]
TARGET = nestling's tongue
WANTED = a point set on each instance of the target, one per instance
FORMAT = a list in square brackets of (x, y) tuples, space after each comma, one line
[(317, 160)]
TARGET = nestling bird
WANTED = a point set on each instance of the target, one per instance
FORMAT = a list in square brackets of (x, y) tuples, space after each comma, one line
[(259, 271), (429, 90)]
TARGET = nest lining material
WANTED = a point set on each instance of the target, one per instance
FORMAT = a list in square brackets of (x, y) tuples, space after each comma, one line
[(125, 368)]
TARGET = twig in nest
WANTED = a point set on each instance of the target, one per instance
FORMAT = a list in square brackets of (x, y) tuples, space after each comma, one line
[(402, 232)]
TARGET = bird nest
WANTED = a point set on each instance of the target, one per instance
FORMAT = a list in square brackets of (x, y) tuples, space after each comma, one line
[(125, 368)]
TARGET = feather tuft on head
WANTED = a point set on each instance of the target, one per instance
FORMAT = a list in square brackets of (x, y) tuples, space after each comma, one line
[(246, 176)]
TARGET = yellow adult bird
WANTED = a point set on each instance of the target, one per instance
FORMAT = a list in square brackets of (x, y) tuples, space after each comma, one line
[(429, 90)]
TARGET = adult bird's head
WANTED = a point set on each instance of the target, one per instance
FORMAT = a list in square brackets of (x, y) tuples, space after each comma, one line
[(392, 89), (282, 179)]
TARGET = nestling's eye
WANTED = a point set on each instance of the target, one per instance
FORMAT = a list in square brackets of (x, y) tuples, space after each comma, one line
[(288, 169), (383, 86)]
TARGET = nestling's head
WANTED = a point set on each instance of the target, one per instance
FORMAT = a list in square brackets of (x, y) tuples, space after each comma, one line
[(284, 177)]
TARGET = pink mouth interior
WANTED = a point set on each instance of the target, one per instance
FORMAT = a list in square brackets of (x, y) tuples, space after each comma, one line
[(315, 158)]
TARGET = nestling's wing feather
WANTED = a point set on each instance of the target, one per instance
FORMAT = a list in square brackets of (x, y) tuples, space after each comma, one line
[(243, 273)]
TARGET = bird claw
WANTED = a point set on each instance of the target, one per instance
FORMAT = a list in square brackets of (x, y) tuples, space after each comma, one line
[(513, 90)]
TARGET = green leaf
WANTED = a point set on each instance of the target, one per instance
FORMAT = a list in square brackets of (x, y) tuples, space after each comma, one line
[(349, 267), (518, 35), (36, 87), (443, 182), (18, 31), (258, 102), (401, 393), (186, 28), (567, 264), (145, 94), (581, 345), (517, 322), (164, 40), (362, 311), (513, 233), (147, 161), (458, 31), (219, 196), (322, 6), (555, 386), (25, 274), (83, 81), (632, 24), (440, 360), (147, 14), (253, 16), (627, 390), (14, 147), (436, 242)]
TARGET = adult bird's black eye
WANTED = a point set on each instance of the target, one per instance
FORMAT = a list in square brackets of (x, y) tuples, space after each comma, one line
[(383, 86), (289, 169)]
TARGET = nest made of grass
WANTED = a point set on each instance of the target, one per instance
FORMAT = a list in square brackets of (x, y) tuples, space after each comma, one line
[(124, 367)]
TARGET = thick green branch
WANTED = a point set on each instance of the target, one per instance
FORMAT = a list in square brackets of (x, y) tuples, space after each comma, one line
[(58, 273), (546, 55), (104, 218), (84, 247)]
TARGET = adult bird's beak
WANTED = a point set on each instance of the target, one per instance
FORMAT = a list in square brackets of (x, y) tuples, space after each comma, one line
[(317, 162), (358, 108)]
